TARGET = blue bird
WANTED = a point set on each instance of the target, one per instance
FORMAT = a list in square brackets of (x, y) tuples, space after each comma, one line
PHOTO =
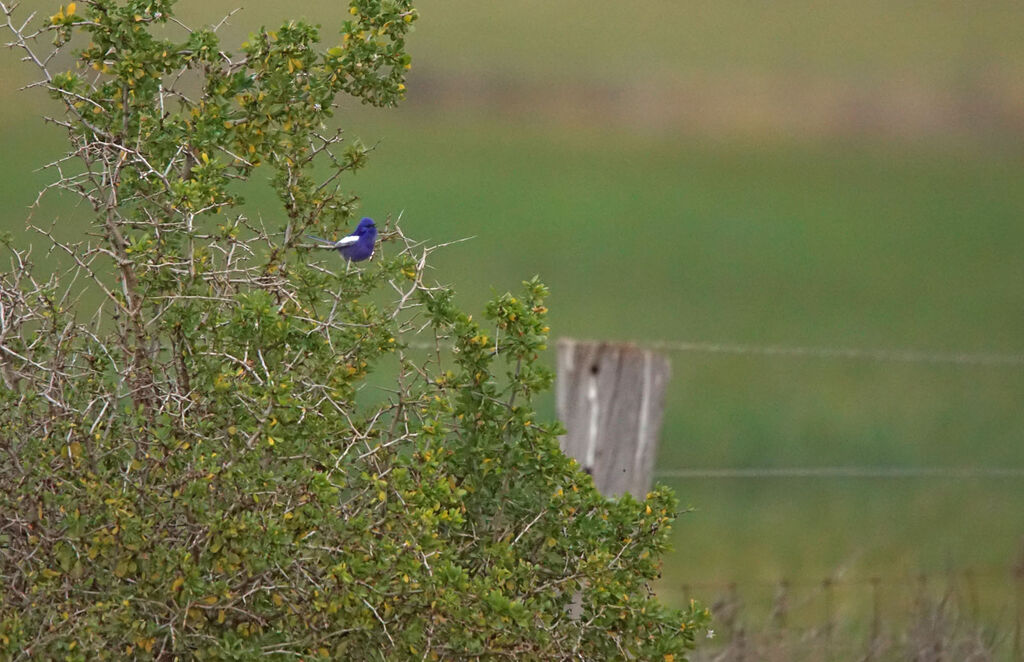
[(357, 246)]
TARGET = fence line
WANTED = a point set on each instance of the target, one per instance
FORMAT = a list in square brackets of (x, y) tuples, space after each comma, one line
[(840, 579), (909, 616), (987, 359), (845, 472), (902, 356), (850, 353)]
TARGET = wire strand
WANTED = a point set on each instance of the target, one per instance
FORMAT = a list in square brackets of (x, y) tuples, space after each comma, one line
[(845, 472), (892, 355), (842, 353)]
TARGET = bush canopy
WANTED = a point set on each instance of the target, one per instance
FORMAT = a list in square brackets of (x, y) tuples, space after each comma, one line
[(248, 447)]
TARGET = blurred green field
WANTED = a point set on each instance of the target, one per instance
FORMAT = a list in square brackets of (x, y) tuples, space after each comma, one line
[(858, 242), (943, 40), (949, 42)]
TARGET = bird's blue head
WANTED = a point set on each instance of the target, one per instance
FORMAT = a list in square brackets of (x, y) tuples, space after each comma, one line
[(366, 226)]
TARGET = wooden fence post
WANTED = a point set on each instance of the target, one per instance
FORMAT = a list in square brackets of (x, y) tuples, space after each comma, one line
[(611, 398)]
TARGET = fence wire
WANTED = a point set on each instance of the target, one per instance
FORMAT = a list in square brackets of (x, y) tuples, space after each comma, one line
[(848, 353), (978, 359), (844, 472)]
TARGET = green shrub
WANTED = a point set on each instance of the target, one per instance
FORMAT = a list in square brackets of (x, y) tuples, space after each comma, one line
[(201, 470)]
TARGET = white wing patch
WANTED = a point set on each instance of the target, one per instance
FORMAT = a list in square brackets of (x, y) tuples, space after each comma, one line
[(346, 241)]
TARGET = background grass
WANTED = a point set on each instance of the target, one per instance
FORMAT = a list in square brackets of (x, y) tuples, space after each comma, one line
[(850, 241)]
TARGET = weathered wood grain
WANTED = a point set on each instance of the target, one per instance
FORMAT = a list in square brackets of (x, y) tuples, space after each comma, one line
[(611, 397)]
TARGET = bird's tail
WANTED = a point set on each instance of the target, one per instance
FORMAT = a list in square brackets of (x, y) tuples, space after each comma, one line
[(321, 240)]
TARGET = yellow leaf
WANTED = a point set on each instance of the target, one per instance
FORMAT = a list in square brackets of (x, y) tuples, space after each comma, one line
[(669, 657), (178, 583)]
